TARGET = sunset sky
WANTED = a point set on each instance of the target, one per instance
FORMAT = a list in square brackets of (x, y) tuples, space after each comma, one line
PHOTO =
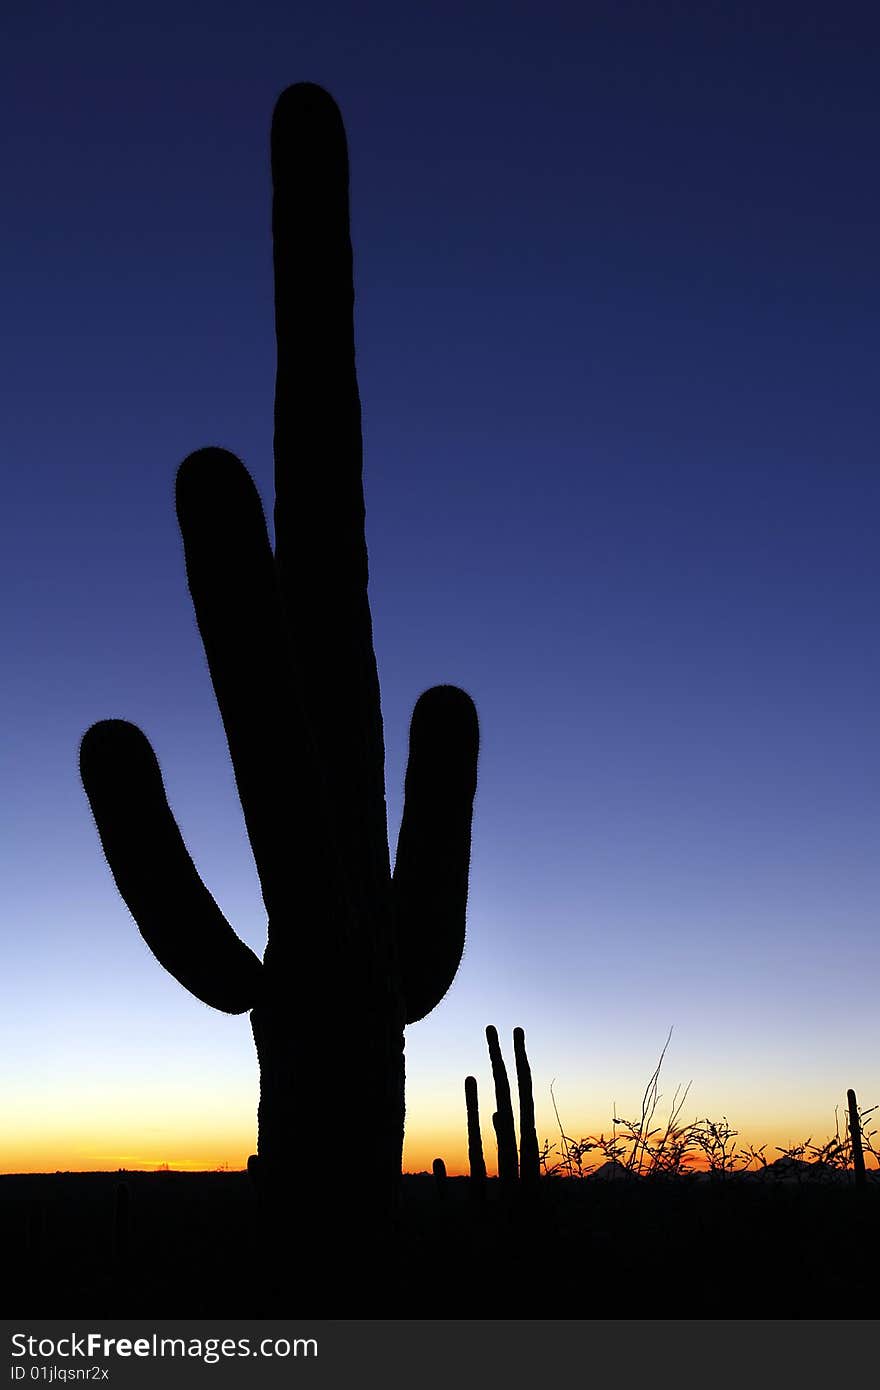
[(617, 316)]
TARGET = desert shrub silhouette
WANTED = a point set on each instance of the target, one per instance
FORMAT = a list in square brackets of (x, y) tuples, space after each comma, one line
[(354, 953)]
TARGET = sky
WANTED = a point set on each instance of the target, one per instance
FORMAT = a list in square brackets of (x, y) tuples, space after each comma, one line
[(616, 311)]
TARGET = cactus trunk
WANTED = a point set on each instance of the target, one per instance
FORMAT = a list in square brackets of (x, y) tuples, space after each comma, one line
[(356, 1082)]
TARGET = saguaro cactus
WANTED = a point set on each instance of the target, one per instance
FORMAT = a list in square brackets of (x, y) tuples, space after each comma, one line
[(354, 952)]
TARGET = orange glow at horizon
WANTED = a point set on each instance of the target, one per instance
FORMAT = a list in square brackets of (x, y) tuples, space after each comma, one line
[(109, 1148), (123, 1142)]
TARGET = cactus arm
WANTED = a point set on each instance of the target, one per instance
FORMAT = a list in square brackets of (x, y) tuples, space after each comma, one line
[(176, 915), (433, 848), (234, 589), (320, 545)]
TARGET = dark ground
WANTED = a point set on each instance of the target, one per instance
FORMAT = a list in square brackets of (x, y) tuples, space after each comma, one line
[(182, 1245)]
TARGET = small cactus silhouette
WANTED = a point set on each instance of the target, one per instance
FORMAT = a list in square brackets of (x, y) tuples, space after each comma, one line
[(476, 1162), (502, 1119), (354, 953), (520, 1172), (529, 1160)]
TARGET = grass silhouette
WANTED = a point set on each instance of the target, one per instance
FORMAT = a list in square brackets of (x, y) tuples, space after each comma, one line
[(675, 1149)]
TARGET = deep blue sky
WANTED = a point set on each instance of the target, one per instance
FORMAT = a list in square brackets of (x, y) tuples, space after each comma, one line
[(617, 307)]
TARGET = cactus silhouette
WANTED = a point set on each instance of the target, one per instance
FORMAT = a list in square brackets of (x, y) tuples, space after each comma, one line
[(354, 953), (520, 1172), (476, 1162), (502, 1119), (855, 1135), (529, 1161)]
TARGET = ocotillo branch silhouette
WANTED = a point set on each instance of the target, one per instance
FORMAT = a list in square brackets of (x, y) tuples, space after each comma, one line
[(354, 952)]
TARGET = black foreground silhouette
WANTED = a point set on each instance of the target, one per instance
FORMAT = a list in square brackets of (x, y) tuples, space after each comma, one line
[(791, 1239), (354, 953)]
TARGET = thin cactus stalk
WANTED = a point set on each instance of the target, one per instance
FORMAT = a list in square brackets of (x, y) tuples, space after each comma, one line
[(855, 1134), (476, 1161), (354, 952), (502, 1119), (529, 1160)]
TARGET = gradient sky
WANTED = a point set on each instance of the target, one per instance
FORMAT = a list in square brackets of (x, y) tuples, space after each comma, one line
[(617, 307)]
